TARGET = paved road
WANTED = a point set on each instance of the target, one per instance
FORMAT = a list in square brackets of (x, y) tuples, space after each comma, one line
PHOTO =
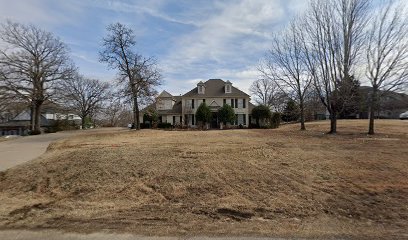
[(23, 149), (56, 235)]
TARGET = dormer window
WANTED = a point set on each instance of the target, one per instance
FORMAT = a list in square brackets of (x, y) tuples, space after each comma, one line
[(228, 87), (201, 88)]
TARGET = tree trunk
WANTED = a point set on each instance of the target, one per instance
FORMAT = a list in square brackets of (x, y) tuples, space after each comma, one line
[(136, 114), (83, 122), (37, 116), (373, 105), (32, 116), (333, 123), (302, 115)]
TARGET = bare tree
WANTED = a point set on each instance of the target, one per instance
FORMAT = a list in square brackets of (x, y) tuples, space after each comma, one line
[(83, 96), (32, 64), (137, 75), (116, 111), (387, 54), (286, 66), (333, 40), (267, 92)]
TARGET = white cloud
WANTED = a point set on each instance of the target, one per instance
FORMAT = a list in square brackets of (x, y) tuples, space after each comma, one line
[(39, 12), (227, 44), (234, 32)]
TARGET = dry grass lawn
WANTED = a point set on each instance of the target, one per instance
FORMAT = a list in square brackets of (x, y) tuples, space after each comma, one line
[(282, 183)]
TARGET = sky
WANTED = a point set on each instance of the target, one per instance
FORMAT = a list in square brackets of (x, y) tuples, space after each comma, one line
[(193, 40)]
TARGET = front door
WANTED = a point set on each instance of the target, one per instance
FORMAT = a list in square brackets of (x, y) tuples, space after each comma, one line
[(214, 120)]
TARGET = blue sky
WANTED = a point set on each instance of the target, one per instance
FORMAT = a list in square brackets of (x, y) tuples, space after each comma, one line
[(193, 40)]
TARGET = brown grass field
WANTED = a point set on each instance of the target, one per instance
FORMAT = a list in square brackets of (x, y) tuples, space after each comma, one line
[(280, 183)]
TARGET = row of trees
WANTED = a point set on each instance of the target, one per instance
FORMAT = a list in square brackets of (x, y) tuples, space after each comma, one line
[(323, 50), (35, 67)]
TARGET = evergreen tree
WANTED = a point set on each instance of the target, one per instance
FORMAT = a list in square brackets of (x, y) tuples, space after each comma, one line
[(203, 114), (226, 114), (261, 113), (291, 112)]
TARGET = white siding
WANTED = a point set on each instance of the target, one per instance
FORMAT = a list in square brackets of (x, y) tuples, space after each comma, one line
[(241, 119), (164, 104)]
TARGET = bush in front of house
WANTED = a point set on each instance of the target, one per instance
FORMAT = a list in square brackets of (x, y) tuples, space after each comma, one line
[(262, 114), (164, 125), (145, 125), (203, 114), (275, 120), (226, 114)]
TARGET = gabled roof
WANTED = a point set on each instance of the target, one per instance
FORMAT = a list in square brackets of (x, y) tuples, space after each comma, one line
[(164, 94), (23, 116), (177, 108), (215, 88)]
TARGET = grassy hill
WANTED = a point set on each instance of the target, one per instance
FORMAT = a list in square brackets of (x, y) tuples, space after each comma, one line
[(281, 182)]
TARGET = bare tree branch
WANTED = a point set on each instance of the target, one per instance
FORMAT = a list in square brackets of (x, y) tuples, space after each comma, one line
[(137, 75), (83, 96), (285, 65), (32, 64), (387, 54)]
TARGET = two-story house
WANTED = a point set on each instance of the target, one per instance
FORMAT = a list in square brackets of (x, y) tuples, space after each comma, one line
[(214, 92)]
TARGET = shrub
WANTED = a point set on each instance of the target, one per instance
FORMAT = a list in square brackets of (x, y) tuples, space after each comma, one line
[(275, 120), (226, 114), (150, 116), (34, 132), (164, 125), (261, 113), (291, 112), (203, 113), (145, 125)]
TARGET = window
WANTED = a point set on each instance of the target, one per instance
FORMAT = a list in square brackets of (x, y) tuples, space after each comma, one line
[(181, 119), (192, 104), (225, 101), (174, 120), (203, 100), (236, 103), (244, 117), (243, 103), (192, 119), (240, 103), (232, 103), (227, 88), (236, 119)]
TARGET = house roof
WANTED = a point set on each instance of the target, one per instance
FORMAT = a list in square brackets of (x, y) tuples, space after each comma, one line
[(164, 94), (26, 122), (177, 107), (215, 88)]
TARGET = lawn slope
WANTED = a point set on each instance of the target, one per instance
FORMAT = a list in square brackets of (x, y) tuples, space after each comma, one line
[(280, 182)]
